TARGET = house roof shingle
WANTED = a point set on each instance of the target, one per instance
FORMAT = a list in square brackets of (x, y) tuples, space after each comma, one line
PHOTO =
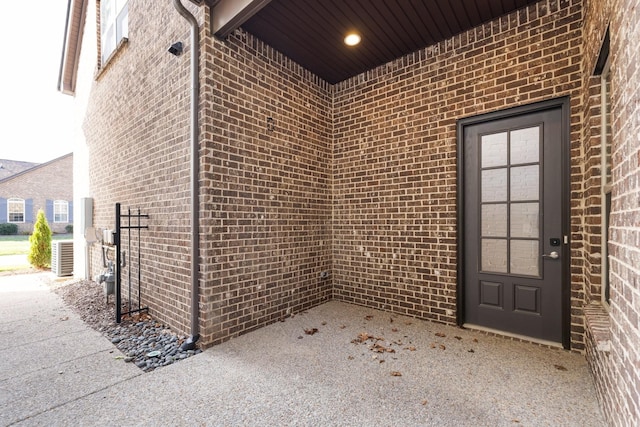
[(8, 168), (25, 170)]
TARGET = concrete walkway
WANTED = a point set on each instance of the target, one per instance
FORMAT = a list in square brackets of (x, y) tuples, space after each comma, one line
[(55, 371), (13, 260)]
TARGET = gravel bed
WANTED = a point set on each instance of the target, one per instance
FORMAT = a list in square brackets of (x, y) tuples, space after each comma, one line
[(143, 340)]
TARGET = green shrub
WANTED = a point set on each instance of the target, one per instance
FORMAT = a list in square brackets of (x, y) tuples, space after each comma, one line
[(69, 229), (40, 243), (8, 229)]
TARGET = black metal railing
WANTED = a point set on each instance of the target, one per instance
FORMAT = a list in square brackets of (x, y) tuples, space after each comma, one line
[(133, 227)]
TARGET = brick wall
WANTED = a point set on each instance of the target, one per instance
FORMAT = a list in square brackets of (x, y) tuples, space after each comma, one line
[(612, 336), (136, 128), (265, 193), (596, 18), (395, 154), (595, 21), (46, 182), (625, 219), (266, 188), (362, 174), (591, 255), (358, 179)]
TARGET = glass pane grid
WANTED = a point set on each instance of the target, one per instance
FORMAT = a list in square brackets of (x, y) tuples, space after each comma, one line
[(510, 202), (494, 150)]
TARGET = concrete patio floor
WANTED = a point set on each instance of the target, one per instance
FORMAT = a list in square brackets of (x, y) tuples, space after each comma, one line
[(361, 368)]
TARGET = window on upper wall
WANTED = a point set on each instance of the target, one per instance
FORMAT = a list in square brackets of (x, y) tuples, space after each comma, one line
[(15, 210), (114, 26), (605, 167), (60, 211)]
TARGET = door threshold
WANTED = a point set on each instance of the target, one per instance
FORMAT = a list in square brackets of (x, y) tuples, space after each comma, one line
[(518, 337)]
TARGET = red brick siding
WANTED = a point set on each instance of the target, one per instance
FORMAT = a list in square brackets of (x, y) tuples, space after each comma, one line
[(136, 128), (599, 358), (616, 373), (358, 179), (596, 19), (395, 154), (266, 188), (265, 195), (625, 219)]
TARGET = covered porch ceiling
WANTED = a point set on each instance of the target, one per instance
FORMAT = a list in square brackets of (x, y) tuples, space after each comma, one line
[(312, 32)]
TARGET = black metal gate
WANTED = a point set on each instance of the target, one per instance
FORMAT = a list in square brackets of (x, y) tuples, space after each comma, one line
[(128, 249)]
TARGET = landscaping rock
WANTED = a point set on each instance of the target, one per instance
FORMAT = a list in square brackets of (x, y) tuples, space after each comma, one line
[(136, 336)]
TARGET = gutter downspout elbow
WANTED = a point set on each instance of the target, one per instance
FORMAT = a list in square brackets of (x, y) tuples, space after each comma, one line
[(190, 343)]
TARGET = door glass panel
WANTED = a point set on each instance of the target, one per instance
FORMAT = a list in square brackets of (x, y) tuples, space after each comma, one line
[(525, 183), (494, 255), (494, 185), (494, 220), (525, 256), (494, 150), (505, 221), (525, 220), (525, 145)]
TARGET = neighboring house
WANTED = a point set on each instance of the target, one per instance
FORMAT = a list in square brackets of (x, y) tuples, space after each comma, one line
[(47, 186), (466, 164), (12, 167)]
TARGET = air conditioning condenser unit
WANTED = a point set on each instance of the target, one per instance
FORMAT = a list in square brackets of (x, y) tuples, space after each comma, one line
[(62, 257)]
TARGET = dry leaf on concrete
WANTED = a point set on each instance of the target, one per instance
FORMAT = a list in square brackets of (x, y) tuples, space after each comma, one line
[(396, 374), (382, 349)]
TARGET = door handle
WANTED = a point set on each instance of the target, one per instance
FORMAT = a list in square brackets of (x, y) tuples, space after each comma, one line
[(552, 255)]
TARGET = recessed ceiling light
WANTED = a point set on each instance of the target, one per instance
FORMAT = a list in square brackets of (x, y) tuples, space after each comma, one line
[(352, 39)]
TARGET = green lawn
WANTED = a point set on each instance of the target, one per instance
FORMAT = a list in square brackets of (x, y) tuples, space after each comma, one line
[(19, 244)]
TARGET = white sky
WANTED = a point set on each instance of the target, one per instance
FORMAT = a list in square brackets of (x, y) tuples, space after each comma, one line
[(35, 119)]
